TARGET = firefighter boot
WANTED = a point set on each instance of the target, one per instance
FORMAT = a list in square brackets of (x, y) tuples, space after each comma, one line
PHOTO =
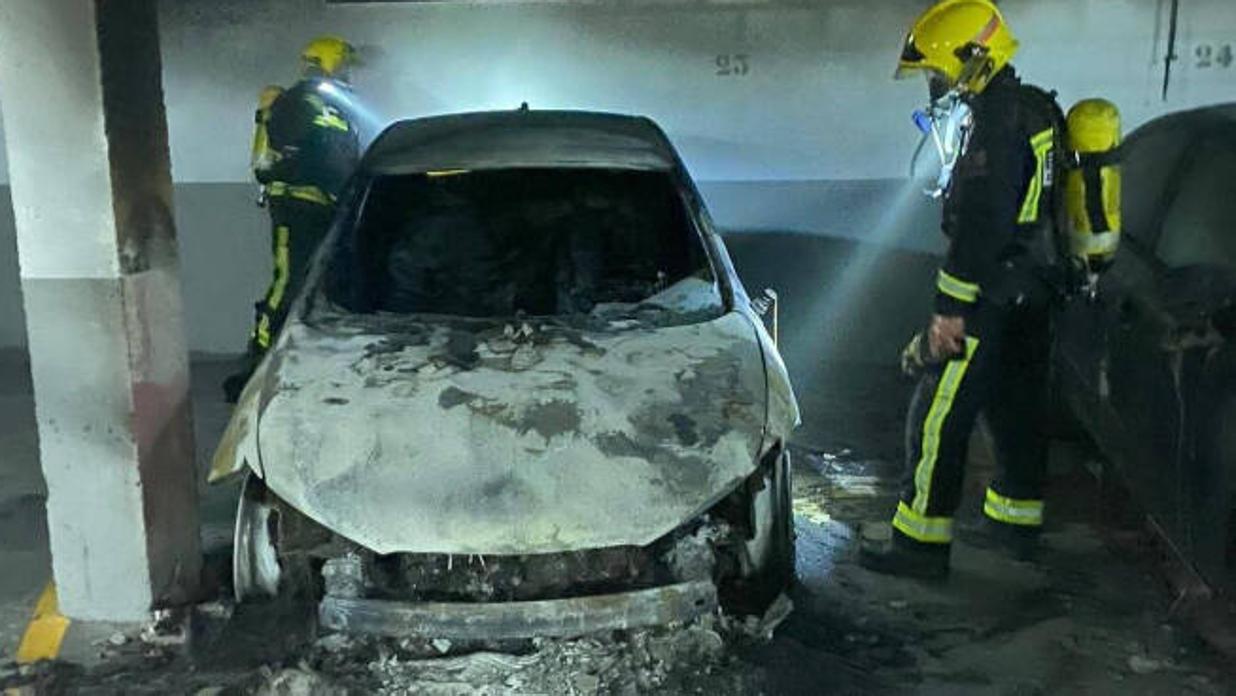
[(905, 558), (1018, 542)]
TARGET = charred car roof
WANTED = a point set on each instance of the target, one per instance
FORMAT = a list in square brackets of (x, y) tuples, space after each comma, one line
[(514, 139)]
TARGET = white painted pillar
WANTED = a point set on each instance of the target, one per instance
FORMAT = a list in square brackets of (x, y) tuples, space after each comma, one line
[(86, 138)]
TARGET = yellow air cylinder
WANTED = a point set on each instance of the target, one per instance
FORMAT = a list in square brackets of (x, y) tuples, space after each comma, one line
[(1092, 187), (262, 156)]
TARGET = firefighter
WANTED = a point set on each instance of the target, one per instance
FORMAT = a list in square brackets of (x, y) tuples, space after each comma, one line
[(986, 347), (305, 147)]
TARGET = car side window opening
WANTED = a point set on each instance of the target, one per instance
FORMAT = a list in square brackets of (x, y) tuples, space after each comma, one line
[(1199, 227), (498, 243)]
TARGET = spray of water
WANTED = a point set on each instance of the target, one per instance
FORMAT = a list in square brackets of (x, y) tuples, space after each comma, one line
[(364, 116), (840, 307)]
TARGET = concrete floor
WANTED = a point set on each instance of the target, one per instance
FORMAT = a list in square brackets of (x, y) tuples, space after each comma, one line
[(24, 557), (1090, 617), (25, 563)]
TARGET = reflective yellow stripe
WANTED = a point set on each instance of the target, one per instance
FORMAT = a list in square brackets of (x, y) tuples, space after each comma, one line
[(1027, 513), (1042, 139), (946, 390), (313, 194), (1101, 243), (329, 120), (445, 172), (929, 530), (282, 270), (46, 630), (262, 332), (1042, 144), (957, 288)]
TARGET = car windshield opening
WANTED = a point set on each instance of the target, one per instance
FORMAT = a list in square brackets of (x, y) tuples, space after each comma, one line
[(541, 242)]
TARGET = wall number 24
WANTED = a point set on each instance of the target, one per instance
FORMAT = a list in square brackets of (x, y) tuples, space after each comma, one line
[(1214, 56)]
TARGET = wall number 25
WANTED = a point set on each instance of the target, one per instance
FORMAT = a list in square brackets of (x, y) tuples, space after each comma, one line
[(733, 64), (1214, 56)]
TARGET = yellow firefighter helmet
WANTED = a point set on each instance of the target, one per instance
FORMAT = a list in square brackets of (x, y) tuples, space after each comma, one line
[(962, 43), (330, 55)]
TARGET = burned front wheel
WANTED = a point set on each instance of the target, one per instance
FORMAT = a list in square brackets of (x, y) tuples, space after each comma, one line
[(266, 557), (754, 572), (255, 559)]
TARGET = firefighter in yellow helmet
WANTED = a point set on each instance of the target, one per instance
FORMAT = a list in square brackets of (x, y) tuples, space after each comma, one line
[(986, 347), (305, 147)]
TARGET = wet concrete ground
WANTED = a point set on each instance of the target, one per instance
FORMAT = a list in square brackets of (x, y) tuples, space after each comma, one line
[(1091, 617)]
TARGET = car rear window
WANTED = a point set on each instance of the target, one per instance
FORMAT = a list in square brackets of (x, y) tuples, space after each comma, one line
[(539, 242)]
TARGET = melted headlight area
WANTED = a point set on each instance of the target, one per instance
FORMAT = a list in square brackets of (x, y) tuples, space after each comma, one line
[(318, 562)]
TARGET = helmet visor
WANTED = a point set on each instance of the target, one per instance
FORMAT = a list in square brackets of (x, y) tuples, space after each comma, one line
[(911, 60), (938, 84), (905, 72)]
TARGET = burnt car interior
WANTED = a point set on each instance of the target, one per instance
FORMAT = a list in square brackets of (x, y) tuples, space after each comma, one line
[(537, 242)]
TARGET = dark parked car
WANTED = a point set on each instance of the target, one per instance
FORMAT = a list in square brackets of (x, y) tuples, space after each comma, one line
[(522, 393), (1149, 367)]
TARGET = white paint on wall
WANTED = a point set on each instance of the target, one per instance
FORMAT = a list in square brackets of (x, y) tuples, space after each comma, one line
[(4, 155), (790, 116), (76, 230), (814, 101)]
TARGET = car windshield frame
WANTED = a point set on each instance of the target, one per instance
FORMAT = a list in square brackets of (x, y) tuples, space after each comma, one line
[(319, 306)]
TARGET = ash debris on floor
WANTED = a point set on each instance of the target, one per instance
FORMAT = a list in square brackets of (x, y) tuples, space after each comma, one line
[(690, 659), (1091, 616)]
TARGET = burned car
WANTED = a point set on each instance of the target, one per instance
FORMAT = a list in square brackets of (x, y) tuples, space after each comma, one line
[(523, 392), (1148, 364)]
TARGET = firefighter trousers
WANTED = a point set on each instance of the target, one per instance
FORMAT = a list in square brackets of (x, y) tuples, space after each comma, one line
[(297, 228), (1004, 375)]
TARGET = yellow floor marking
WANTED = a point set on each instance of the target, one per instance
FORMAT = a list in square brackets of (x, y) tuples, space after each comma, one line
[(45, 633)]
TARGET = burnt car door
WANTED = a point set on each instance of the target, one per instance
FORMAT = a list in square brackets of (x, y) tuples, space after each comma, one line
[(1151, 354), (1196, 286), (1107, 363)]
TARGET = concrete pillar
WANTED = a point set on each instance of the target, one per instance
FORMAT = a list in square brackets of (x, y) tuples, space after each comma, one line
[(86, 134)]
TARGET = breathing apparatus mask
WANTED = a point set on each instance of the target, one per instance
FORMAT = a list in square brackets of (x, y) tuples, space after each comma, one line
[(947, 123)]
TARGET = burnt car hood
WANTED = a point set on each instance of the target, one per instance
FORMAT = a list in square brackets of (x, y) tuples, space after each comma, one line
[(458, 437)]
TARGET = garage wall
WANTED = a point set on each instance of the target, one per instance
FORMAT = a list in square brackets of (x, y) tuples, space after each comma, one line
[(783, 109), (807, 95)]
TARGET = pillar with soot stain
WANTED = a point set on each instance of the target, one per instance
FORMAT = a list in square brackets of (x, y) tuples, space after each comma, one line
[(86, 136)]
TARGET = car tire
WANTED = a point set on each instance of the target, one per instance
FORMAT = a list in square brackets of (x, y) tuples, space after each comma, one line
[(256, 571), (260, 568), (782, 562)]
